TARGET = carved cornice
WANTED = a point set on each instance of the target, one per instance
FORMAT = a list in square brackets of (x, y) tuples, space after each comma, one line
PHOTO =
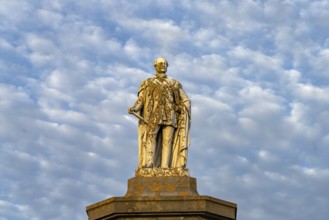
[(156, 172)]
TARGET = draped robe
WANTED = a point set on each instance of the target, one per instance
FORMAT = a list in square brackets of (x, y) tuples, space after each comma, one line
[(163, 102)]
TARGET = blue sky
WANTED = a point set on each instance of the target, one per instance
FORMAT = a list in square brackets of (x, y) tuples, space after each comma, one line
[(256, 72)]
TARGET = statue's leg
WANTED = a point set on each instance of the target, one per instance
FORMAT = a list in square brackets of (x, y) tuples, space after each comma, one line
[(142, 146), (167, 140), (150, 147), (141, 151)]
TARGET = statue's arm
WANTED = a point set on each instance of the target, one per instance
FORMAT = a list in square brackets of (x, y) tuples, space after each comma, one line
[(185, 100), (140, 99)]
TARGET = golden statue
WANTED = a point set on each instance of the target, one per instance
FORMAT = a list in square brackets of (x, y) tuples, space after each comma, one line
[(164, 112)]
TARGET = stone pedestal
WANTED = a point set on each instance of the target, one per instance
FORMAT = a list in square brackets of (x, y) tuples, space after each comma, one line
[(162, 186), (162, 198)]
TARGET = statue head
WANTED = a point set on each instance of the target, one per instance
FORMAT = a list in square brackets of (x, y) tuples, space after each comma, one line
[(161, 65)]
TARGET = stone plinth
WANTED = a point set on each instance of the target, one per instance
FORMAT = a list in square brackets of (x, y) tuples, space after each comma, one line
[(162, 186), (162, 198)]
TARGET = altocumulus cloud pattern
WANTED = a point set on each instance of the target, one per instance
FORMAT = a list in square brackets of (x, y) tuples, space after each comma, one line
[(256, 72)]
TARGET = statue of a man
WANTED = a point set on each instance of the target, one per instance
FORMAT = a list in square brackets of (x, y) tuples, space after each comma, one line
[(164, 112)]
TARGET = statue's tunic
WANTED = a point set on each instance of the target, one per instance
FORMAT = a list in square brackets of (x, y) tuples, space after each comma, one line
[(165, 108)]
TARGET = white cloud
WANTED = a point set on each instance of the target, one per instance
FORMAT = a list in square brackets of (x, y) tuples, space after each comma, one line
[(15, 11), (50, 18), (311, 92), (257, 81)]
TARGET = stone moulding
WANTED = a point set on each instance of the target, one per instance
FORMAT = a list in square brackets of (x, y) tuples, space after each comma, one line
[(165, 198), (159, 172), (168, 207)]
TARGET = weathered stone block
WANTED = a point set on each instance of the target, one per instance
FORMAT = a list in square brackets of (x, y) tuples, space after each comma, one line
[(162, 186), (162, 198)]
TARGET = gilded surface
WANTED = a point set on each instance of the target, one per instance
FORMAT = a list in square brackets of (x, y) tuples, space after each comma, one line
[(164, 113), (156, 172)]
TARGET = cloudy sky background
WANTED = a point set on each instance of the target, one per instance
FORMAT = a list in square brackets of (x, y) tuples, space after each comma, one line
[(256, 72)]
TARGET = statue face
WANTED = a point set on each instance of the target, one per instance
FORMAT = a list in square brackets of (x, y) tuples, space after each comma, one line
[(160, 65)]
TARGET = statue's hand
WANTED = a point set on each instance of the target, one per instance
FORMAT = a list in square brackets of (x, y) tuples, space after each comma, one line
[(131, 110)]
